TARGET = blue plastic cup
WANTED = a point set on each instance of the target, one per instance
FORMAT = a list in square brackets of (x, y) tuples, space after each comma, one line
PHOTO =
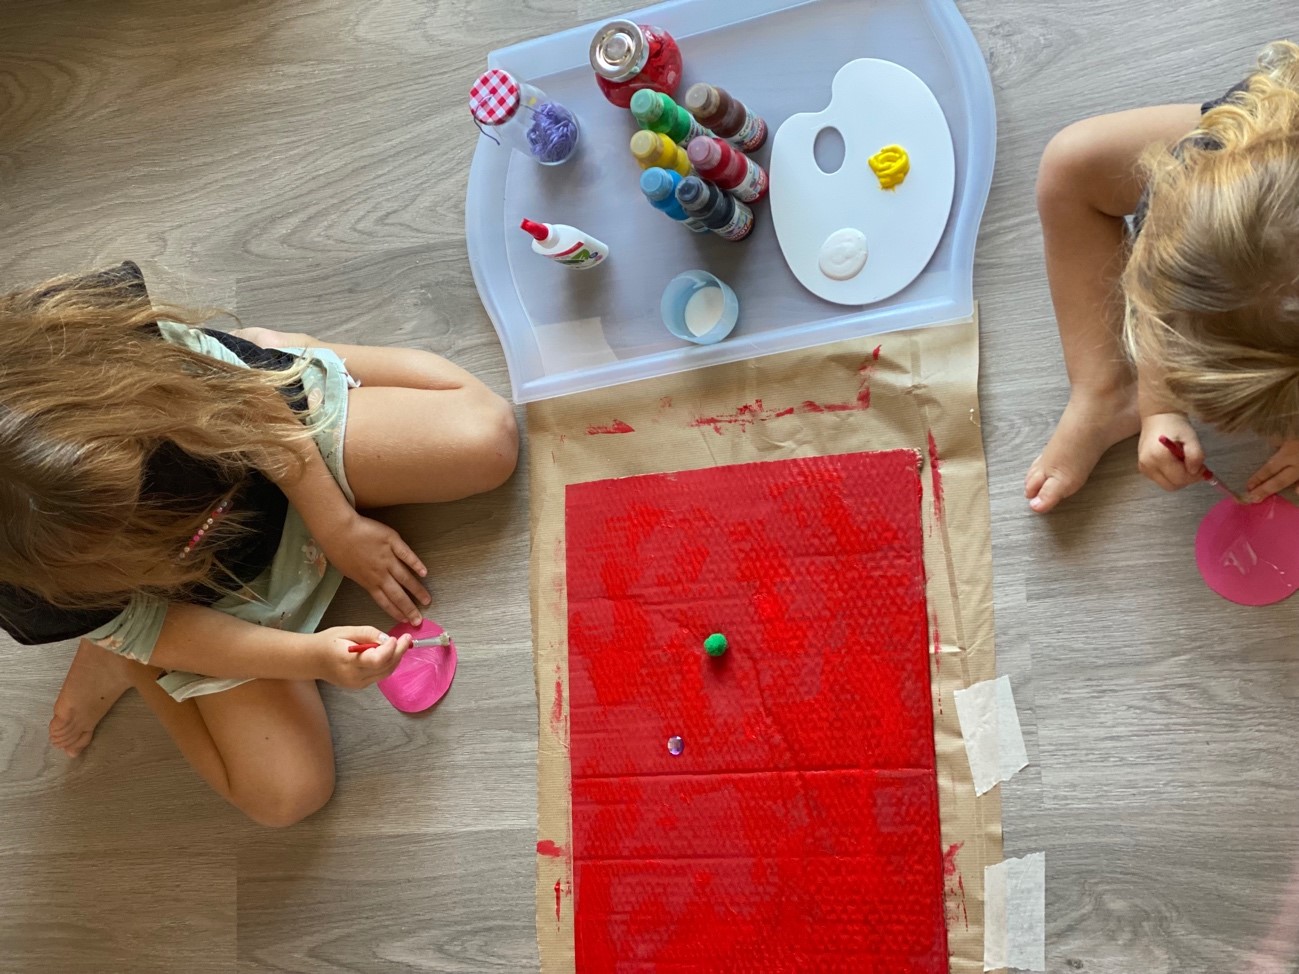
[(700, 326)]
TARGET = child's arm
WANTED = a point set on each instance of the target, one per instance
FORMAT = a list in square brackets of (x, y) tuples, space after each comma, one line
[(203, 640), (371, 554)]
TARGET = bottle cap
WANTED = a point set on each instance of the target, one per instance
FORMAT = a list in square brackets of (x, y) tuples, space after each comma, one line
[(703, 99), (619, 50), (646, 145), (646, 107), (538, 230), (704, 153), (658, 184), (494, 97), (691, 190)]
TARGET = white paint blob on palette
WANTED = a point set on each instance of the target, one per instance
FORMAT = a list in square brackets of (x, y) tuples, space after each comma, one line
[(873, 104)]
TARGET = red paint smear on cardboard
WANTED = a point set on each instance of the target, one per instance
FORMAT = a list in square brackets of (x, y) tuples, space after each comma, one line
[(936, 474), (561, 888), (557, 708), (820, 764), (550, 850), (955, 891), (617, 426), (744, 416), (748, 414), (949, 858)]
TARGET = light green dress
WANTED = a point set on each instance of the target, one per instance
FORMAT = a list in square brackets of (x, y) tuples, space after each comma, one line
[(295, 590)]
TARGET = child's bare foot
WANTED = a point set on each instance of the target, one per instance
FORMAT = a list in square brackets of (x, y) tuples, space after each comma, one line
[(95, 681), (1089, 426)]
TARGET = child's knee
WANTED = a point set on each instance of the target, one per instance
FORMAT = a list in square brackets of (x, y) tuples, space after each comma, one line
[(290, 800), (495, 441)]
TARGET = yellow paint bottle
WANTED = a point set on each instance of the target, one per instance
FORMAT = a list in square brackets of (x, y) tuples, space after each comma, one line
[(656, 149)]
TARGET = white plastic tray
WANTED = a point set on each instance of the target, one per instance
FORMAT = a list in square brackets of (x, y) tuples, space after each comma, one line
[(564, 331)]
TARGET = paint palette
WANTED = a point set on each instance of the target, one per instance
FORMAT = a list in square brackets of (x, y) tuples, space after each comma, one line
[(874, 104), (1249, 553), (424, 675)]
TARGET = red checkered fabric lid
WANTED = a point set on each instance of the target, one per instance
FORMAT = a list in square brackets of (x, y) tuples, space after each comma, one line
[(494, 98)]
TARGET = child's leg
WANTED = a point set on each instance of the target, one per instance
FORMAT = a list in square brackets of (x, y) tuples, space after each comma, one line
[(263, 746), (1087, 183), (419, 430)]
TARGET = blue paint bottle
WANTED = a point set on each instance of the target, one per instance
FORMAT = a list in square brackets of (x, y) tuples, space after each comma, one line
[(660, 188)]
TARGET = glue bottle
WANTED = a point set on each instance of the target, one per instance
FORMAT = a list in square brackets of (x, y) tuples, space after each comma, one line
[(720, 162), (567, 245), (660, 188)]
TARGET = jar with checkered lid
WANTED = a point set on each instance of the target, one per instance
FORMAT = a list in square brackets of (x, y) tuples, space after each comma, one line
[(517, 114)]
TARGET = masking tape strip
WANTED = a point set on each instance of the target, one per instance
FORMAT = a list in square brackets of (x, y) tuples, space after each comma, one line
[(994, 742), (1014, 914)]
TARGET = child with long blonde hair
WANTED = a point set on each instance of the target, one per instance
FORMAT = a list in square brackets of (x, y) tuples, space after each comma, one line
[(1202, 291), (184, 502)]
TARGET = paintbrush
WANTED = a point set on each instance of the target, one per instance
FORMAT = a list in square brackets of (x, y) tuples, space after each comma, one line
[(1177, 450), (442, 640)]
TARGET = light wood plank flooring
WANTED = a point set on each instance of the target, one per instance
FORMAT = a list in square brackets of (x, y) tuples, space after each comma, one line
[(304, 162)]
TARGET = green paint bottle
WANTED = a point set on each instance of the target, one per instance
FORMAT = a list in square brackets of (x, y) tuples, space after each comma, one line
[(657, 112)]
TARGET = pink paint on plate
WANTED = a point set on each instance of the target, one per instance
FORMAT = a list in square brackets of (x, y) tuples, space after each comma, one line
[(424, 675), (1249, 553)]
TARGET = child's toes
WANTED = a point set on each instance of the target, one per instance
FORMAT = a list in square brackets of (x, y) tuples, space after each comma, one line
[(1050, 494)]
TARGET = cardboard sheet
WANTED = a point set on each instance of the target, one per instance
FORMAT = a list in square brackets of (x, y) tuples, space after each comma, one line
[(909, 390), (796, 827)]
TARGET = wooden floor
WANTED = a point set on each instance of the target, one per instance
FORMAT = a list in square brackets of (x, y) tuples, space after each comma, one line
[(304, 162)]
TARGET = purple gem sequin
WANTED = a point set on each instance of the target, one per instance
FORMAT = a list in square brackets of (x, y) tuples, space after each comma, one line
[(675, 746)]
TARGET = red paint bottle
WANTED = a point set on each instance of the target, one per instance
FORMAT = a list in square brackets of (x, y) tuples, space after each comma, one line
[(717, 161), (627, 57)]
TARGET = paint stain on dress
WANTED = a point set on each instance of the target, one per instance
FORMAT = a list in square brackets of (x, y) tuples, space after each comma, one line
[(936, 473), (617, 426), (550, 850)]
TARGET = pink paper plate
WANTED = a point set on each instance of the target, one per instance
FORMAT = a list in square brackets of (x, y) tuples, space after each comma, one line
[(424, 675), (1249, 553)]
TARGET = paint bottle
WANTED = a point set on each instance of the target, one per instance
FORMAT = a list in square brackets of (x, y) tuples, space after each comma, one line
[(660, 188), (657, 112), (719, 162), (627, 57), (719, 212), (656, 149), (567, 245), (726, 116), (516, 113)]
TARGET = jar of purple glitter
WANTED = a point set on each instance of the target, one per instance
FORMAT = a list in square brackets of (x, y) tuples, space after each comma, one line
[(518, 114)]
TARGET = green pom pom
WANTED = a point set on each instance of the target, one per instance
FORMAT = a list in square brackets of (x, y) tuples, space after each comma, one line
[(715, 645)]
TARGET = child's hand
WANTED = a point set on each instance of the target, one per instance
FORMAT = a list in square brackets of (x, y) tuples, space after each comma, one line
[(374, 556), (1157, 461), (1277, 474), (354, 671)]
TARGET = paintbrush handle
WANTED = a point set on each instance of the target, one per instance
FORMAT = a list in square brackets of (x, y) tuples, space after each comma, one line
[(442, 640), (1207, 475)]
